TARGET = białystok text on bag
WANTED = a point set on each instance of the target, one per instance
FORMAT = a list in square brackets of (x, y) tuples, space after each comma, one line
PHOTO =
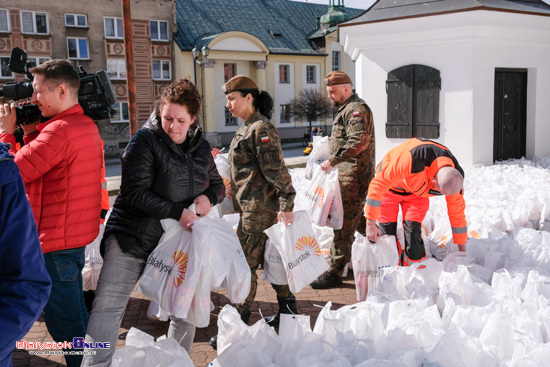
[(172, 270), (299, 251)]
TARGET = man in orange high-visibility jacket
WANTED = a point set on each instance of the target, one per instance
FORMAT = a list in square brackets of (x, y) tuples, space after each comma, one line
[(408, 175)]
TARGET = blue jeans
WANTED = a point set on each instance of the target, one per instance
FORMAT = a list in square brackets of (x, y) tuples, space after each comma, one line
[(119, 275), (65, 313)]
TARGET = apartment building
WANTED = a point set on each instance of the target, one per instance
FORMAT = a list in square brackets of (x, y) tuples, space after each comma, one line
[(90, 34)]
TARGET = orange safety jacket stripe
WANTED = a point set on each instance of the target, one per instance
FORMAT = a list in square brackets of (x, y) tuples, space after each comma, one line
[(409, 169)]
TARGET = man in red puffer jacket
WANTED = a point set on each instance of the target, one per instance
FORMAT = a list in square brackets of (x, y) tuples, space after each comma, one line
[(61, 169)]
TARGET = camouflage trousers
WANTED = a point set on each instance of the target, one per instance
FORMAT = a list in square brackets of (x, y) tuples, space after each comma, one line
[(353, 199), (250, 233)]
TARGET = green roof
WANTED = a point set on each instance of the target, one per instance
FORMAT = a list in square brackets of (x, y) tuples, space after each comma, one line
[(284, 26)]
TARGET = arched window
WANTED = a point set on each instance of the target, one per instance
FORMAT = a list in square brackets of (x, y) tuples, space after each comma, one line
[(413, 102)]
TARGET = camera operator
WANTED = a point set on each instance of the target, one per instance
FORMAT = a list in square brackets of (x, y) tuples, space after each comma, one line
[(61, 167)]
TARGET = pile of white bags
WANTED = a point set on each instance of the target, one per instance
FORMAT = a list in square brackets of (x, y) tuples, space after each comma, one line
[(141, 350), (489, 306)]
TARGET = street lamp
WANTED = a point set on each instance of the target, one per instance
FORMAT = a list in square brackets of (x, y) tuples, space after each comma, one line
[(205, 52)]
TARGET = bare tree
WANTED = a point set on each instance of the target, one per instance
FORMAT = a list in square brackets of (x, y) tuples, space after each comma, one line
[(310, 105)]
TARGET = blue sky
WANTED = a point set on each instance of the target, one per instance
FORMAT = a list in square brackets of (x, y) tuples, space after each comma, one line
[(359, 4)]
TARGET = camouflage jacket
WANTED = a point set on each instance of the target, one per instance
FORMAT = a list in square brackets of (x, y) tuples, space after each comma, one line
[(352, 141), (259, 178)]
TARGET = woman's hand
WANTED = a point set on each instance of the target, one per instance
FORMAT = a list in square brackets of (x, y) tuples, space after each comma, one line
[(202, 205), (187, 219), (286, 217)]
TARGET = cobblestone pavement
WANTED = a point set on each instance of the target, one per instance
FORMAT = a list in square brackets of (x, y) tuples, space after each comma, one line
[(202, 353)]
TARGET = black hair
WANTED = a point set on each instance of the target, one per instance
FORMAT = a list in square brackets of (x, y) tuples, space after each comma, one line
[(261, 100)]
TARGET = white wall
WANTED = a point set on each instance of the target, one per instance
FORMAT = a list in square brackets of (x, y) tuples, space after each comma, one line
[(455, 100), (346, 63), (466, 48)]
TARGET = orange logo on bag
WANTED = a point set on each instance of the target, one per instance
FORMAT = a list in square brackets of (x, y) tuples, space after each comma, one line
[(475, 234), (443, 241), (227, 183), (321, 193), (307, 241), (425, 229), (180, 266)]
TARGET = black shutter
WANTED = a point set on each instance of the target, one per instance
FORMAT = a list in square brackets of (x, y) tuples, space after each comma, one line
[(413, 102), (399, 89), (427, 85)]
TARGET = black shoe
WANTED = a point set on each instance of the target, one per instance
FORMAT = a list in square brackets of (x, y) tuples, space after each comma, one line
[(326, 280), (214, 342), (245, 316), (287, 306)]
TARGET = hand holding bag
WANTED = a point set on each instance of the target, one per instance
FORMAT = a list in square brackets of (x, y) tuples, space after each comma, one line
[(299, 249)]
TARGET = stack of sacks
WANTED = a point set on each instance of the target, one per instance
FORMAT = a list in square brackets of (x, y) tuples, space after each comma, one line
[(141, 350)]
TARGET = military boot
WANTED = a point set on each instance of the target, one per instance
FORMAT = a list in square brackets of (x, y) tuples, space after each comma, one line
[(287, 306), (245, 316)]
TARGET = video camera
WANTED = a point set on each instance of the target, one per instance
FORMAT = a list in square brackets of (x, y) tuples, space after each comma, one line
[(95, 94)]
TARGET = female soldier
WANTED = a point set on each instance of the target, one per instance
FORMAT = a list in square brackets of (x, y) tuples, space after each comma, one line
[(166, 167), (261, 185)]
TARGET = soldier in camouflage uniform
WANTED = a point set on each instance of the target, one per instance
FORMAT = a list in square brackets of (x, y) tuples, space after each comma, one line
[(352, 152), (260, 183)]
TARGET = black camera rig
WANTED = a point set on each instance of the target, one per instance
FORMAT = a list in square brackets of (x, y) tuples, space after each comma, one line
[(95, 94)]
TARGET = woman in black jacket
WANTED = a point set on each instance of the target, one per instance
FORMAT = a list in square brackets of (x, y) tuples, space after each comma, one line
[(166, 167)]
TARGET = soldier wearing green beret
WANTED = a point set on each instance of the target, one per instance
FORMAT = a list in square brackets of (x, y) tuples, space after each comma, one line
[(352, 152), (261, 185)]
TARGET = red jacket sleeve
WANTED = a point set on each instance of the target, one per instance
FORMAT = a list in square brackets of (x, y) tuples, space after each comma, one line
[(38, 157)]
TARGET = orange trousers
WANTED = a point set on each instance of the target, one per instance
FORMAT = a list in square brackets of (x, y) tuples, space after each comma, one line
[(414, 210)]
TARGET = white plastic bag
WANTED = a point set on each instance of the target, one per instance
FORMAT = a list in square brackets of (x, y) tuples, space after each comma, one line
[(172, 270), (369, 261), (141, 350), (224, 169), (274, 270), (93, 262), (319, 154), (225, 241), (299, 251), (320, 194), (154, 312), (335, 217), (199, 310), (440, 239)]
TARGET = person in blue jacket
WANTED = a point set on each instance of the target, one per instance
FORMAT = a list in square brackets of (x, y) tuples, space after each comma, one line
[(24, 282)]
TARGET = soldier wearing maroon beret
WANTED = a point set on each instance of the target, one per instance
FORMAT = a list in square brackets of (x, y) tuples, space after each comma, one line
[(352, 152)]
